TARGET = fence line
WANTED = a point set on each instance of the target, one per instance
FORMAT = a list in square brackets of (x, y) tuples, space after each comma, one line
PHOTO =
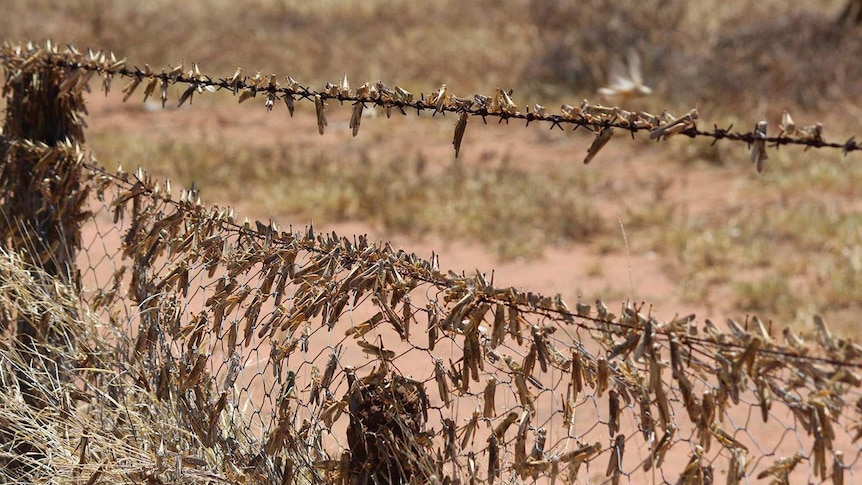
[(216, 350), (602, 120)]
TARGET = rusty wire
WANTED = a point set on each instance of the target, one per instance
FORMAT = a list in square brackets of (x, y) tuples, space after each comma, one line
[(602, 120)]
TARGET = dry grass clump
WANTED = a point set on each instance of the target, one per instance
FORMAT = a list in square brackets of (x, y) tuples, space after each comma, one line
[(89, 418)]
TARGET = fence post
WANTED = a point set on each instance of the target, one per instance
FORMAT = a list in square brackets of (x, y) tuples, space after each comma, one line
[(42, 202)]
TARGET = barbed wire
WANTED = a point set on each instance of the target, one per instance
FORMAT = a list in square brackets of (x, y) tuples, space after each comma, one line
[(529, 303), (602, 120)]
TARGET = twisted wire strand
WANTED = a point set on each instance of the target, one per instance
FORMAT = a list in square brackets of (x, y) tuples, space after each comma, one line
[(500, 106)]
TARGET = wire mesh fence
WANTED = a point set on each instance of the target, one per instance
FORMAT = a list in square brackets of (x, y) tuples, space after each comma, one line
[(190, 346)]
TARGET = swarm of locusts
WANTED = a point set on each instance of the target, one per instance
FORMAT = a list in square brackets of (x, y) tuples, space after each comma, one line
[(683, 383), (603, 121), (511, 382)]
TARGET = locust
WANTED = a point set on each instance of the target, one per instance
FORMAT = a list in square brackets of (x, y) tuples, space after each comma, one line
[(758, 147), (602, 138)]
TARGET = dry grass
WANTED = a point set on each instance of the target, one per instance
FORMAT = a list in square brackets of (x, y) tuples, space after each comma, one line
[(96, 423), (786, 244)]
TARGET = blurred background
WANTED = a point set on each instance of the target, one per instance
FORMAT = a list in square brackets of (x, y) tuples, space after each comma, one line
[(750, 55), (682, 224)]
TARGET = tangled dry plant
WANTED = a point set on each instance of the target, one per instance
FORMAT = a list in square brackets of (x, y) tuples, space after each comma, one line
[(228, 351), (94, 423)]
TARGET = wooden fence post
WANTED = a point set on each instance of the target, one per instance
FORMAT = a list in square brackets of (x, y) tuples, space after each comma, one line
[(42, 202)]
